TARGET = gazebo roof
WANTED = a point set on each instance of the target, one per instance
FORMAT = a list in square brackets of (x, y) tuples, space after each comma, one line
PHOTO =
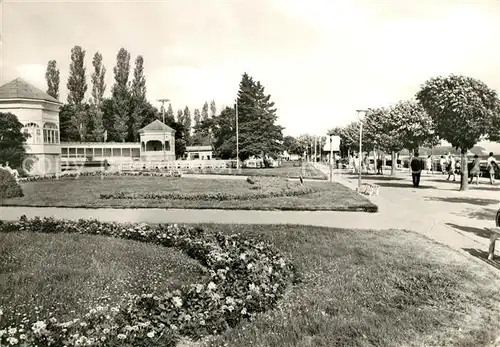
[(156, 127), (20, 89)]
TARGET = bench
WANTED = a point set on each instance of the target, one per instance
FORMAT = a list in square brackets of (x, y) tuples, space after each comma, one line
[(495, 232), (368, 189)]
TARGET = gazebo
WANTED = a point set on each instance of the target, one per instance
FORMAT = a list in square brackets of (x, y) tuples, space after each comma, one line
[(39, 113), (157, 142)]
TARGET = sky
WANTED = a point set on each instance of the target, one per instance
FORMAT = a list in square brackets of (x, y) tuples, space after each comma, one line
[(319, 59)]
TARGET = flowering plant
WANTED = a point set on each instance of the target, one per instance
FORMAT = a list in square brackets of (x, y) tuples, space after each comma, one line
[(260, 188), (245, 277)]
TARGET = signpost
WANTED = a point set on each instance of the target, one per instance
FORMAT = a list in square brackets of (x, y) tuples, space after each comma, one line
[(332, 145)]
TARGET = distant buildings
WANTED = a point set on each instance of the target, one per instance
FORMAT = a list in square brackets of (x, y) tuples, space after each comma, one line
[(39, 113)]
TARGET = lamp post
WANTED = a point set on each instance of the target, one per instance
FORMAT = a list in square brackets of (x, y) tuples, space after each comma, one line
[(163, 116), (237, 138), (331, 160), (360, 114)]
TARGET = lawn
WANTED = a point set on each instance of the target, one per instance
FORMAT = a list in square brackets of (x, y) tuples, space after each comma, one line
[(358, 288), (86, 191), (289, 169), (67, 274), (366, 288)]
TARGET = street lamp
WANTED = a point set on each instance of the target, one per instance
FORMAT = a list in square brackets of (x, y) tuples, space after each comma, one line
[(360, 114), (237, 137), (164, 135)]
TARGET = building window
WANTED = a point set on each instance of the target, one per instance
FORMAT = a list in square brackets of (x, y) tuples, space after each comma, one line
[(50, 133), (33, 130)]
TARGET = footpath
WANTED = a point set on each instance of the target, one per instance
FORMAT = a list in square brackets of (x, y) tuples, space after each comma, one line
[(437, 210)]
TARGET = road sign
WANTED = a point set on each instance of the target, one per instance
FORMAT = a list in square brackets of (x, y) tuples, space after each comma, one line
[(335, 144)]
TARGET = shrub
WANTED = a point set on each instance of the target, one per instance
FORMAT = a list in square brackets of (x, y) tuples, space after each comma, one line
[(245, 277), (9, 188)]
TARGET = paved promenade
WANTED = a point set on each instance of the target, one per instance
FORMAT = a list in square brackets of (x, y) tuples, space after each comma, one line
[(437, 210)]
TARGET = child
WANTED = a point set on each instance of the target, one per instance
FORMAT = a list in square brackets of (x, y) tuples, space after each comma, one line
[(492, 164), (450, 168)]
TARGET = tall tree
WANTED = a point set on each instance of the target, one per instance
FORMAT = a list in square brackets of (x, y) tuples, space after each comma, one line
[(77, 82), (180, 117), (170, 113), (213, 109), (204, 111), (463, 109), (138, 99), (259, 135), (12, 140), (77, 87), (98, 89), (196, 117), (383, 131), (52, 77), (292, 146), (186, 123), (121, 94)]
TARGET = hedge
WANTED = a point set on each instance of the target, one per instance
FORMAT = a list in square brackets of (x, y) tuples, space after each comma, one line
[(246, 276), (9, 188)]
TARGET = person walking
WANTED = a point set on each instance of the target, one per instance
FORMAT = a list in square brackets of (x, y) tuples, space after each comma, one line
[(475, 169), (416, 166), (428, 164), (442, 165), (492, 165), (450, 168)]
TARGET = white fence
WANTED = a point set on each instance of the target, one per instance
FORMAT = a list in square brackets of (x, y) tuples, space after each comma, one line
[(180, 165)]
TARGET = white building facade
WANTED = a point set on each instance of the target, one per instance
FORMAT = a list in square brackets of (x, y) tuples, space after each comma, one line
[(39, 114)]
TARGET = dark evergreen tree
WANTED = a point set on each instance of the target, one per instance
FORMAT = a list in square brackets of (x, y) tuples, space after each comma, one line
[(259, 135)]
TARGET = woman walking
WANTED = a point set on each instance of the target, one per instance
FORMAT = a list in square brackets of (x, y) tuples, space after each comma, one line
[(475, 170), (450, 168), (492, 165), (428, 164)]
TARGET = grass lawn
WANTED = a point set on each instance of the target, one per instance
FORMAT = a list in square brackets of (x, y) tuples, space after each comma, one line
[(85, 192), (359, 288), (287, 170), (70, 272), (366, 288)]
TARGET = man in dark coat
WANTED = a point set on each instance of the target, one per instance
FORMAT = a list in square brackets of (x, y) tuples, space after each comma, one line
[(416, 166)]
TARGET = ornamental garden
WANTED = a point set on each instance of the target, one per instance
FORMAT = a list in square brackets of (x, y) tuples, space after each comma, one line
[(90, 282)]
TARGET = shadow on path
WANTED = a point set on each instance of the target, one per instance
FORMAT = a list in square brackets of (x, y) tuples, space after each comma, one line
[(487, 188), (482, 255), (483, 214), (472, 201), (403, 185), (476, 231), (378, 178)]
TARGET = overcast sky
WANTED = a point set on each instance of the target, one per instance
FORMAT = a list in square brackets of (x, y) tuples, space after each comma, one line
[(320, 60)]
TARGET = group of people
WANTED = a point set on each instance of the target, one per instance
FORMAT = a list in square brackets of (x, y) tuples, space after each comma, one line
[(450, 166)]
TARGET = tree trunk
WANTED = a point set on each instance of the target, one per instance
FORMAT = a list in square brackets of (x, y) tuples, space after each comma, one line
[(464, 180), (393, 164)]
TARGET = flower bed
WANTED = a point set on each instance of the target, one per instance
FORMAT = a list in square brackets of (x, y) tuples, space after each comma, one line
[(261, 188), (246, 277), (73, 174)]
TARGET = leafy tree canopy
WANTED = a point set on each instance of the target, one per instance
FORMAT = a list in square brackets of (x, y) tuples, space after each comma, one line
[(463, 109)]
